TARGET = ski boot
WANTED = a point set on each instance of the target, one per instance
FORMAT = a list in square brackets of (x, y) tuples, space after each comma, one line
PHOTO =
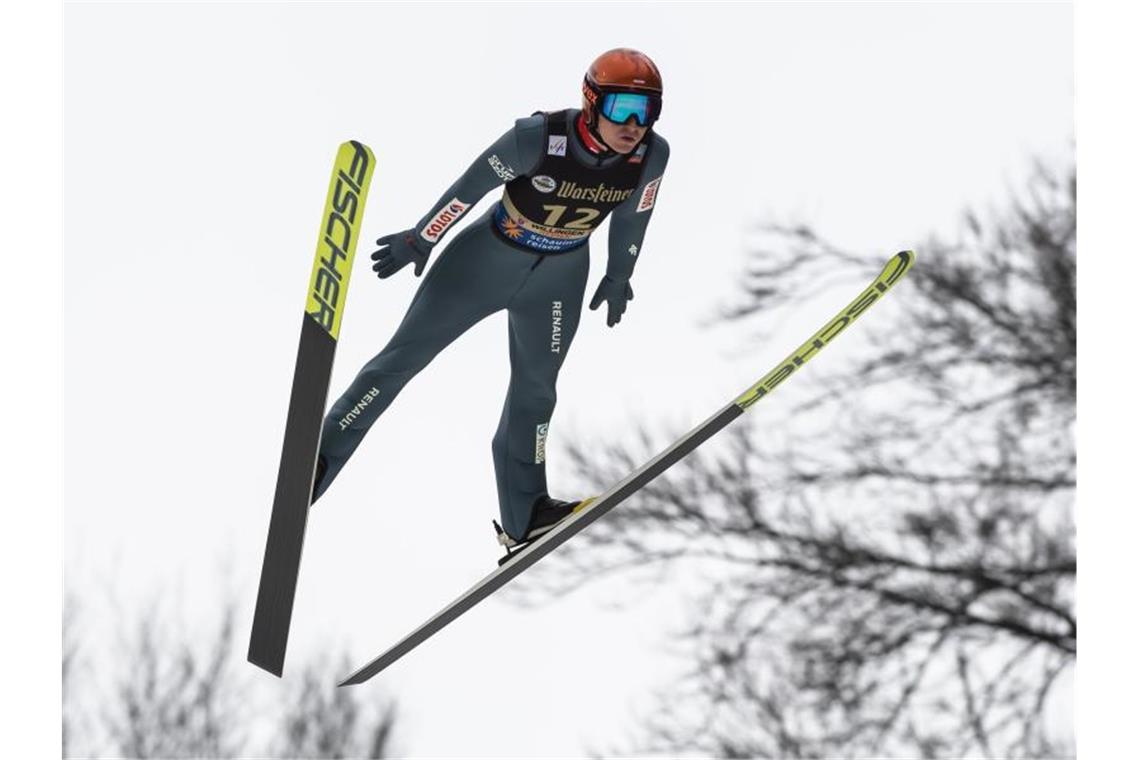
[(546, 515)]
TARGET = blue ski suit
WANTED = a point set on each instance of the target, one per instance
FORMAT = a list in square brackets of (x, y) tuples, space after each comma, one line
[(528, 254)]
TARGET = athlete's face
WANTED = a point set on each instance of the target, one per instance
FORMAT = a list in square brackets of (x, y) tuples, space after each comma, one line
[(621, 137)]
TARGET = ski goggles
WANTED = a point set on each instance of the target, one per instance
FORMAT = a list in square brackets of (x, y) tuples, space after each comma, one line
[(618, 107)]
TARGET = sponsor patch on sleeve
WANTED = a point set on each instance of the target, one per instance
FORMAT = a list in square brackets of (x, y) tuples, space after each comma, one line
[(648, 196), (504, 172), (443, 219), (556, 145)]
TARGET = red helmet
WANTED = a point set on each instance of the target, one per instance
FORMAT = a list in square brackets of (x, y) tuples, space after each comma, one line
[(618, 71)]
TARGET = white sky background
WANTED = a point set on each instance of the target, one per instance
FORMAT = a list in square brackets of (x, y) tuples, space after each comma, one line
[(198, 145)]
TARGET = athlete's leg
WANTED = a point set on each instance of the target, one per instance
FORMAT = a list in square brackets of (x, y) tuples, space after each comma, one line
[(463, 286), (543, 317)]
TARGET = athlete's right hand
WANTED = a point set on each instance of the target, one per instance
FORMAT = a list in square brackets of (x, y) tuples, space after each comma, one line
[(397, 251)]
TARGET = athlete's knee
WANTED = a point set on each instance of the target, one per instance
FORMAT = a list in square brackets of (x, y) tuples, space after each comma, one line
[(384, 379), (538, 399), (396, 364), (535, 383), (499, 444)]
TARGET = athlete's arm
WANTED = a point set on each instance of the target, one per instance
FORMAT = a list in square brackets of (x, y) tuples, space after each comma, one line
[(517, 151), (627, 231)]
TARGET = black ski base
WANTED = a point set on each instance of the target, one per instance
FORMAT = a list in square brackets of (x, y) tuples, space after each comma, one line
[(282, 562)]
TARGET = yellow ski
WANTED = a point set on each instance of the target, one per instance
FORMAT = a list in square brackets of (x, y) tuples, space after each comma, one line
[(320, 328), (532, 552)]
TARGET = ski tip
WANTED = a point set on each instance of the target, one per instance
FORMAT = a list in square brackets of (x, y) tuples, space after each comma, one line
[(358, 147), (899, 265)]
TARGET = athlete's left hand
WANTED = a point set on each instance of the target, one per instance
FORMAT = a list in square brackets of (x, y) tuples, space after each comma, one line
[(615, 293)]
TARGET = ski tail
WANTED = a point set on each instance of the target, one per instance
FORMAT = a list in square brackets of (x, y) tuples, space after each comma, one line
[(320, 328), (532, 552)]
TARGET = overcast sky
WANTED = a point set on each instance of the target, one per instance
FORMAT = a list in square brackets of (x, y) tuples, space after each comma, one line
[(198, 145)]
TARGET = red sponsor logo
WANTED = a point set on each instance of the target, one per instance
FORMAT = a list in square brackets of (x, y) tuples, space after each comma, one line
[(443, 219), (648, 196)]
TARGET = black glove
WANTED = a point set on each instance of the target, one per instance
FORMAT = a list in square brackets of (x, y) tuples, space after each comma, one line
[(396, 251), (614, 292)]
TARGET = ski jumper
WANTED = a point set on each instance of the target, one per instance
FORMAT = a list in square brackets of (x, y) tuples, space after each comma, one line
[(528, 254)]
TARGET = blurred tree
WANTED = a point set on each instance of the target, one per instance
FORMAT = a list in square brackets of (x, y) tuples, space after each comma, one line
[(888, 547), (174, 694), (176, 697), (71, 711), (324, 721)]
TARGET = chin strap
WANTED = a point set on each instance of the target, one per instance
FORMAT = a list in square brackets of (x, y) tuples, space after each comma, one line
[(591, 139)]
